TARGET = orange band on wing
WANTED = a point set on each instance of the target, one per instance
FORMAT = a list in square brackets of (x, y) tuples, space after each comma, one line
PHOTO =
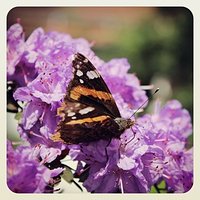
[(56, 137), (94, 119), (79, 91)]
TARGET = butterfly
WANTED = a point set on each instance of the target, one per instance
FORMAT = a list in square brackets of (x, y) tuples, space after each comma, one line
[(89, 111)]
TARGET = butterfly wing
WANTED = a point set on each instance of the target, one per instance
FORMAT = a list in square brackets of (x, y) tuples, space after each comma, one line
[(81, 123), (88, 87), (88, 110)]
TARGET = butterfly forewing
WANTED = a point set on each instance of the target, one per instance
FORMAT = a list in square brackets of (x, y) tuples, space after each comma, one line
[(88, 87)]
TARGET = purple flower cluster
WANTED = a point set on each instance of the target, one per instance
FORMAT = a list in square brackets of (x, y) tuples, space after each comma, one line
[(152, 151), (26, 172), (170, 127)]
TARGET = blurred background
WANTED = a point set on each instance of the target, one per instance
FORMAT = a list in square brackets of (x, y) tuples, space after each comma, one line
[(158, 41)]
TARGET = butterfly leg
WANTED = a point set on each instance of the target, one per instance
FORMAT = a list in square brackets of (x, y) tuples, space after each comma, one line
[(106, 151)]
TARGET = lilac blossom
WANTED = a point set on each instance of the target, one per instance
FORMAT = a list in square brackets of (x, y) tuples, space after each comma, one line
[(154, 149)]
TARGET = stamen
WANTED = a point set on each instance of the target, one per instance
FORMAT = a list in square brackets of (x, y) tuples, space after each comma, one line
[(33, 133), (166, 176), (45, 159), (121, 185), (131, 138), (44, 112), (161, 140)]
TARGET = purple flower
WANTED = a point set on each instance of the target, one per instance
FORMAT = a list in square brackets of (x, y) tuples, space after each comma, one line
[(118, 171), (15, 48), (25, 174), (115, 74), (18, 70), (166, 132)]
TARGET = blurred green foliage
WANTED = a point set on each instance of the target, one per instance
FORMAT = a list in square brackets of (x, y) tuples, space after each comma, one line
[(160, 45)]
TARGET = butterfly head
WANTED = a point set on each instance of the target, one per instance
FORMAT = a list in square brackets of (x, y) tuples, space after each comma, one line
[(124, 123)]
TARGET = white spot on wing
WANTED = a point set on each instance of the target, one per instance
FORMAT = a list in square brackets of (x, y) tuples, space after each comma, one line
[(86, 110), (81, 81), (92, 74), (86, 60), (70, 114), (74, 117), (77, 66), (77, 105), (79, 73), (89, 75)]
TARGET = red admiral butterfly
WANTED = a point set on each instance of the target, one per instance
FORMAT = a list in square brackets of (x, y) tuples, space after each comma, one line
[(89, 112)]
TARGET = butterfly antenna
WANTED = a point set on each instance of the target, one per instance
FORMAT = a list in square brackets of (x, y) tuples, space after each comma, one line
[(144, 102)]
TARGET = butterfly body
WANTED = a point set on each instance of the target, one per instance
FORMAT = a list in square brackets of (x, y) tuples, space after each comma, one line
[(88, 112)]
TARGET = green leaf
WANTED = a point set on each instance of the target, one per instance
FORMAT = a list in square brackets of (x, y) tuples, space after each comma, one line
[(159, 188), (67, 175), (153, 190), (18, 116), (162, 185)]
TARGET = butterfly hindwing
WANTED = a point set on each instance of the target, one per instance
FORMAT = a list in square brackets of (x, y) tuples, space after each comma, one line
[(82, 123)]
